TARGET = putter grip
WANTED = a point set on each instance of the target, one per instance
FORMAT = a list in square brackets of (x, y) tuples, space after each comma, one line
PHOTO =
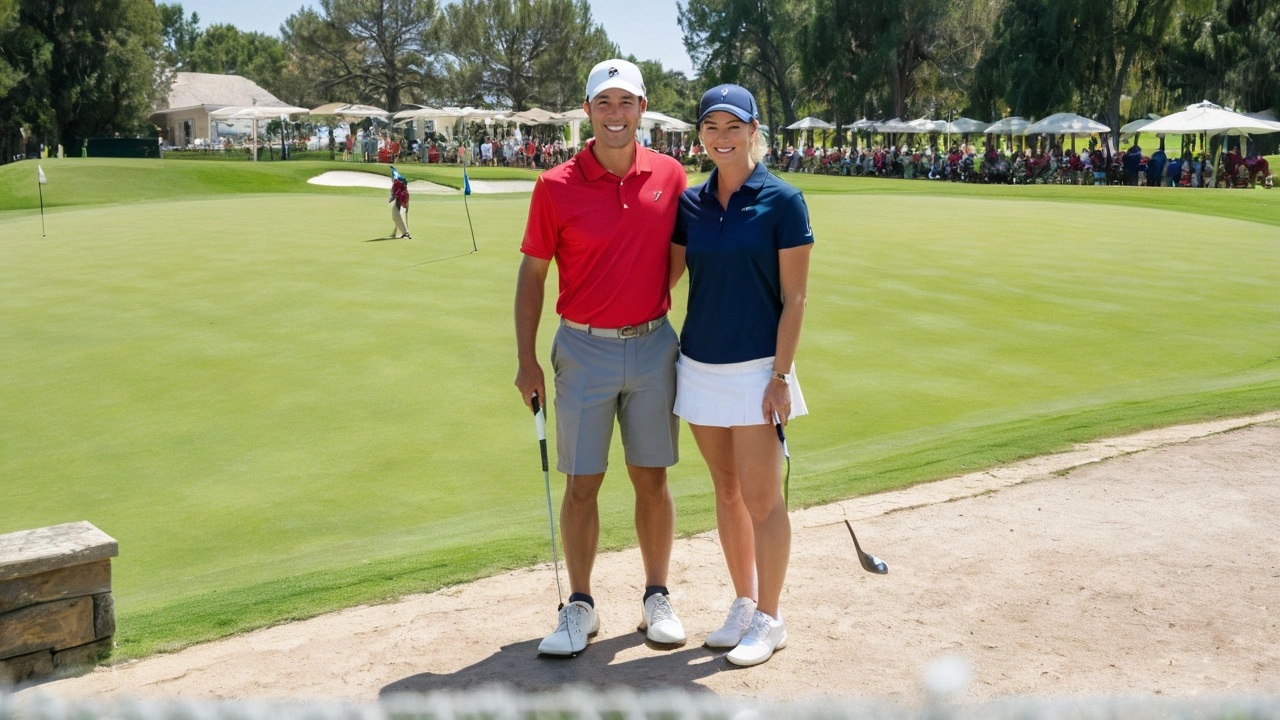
[(539, 419)]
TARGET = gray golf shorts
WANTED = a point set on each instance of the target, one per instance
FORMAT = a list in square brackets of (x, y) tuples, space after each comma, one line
[(600, 378)]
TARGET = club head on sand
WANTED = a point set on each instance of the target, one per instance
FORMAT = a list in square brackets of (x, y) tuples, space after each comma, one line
[(870, 563)]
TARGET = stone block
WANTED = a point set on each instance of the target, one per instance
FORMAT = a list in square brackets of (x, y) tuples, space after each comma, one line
[(53, 625), (77, 581), (89, 654), (22, 668), (104, 616), (30, 552)]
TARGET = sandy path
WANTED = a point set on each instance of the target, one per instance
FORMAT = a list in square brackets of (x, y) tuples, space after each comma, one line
[(1151, 566)]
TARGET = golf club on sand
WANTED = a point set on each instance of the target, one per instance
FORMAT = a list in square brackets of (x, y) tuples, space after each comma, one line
[(540, 422), (870, 563)]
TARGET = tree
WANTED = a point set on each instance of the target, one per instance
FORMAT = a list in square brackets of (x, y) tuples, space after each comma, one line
[(226, 50), (1227, 51), (747, 41), (87, 67), (375, 47), (1050, 55), (180, 34), (869, 56), (669, 91), (522, 53)]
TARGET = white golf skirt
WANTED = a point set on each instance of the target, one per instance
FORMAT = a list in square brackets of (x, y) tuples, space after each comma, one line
[(728, 395)]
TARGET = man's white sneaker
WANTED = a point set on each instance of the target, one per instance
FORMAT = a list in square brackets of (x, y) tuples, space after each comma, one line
[(735, 626), (660, 624), (764, 636), (578, 621)]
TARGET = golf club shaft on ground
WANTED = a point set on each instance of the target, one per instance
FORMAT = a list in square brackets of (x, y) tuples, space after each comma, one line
[(540, 422)]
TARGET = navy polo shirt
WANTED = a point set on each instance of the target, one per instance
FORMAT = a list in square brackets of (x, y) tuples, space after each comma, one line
[(735, 289)]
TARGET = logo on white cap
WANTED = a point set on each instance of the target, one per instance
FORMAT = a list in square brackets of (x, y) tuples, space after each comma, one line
[(615, 73)]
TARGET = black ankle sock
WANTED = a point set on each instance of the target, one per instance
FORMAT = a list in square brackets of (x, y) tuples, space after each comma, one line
[(582, 597), (654, 590)]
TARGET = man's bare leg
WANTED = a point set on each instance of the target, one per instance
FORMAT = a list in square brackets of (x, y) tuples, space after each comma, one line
[(655, 521), (580, 529)]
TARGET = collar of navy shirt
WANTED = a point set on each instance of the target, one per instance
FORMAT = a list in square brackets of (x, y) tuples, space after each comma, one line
[(755, 181)]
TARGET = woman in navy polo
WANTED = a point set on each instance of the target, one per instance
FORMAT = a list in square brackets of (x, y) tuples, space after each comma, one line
[(744, 236)]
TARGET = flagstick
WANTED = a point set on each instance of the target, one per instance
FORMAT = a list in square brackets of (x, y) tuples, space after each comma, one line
[(41, 188), (474, 249)]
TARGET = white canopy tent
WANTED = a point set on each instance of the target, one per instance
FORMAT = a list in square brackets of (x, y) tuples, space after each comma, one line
[(966, 126), (1130, 129), (811, 123), (1008, 126), (256, 113), (1210, 119), (1066, 124)]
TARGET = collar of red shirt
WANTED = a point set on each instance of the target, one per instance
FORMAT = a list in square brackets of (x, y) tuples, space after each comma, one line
[(593, 170)]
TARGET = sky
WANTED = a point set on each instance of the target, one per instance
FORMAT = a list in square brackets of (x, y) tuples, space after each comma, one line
[(650, 34)]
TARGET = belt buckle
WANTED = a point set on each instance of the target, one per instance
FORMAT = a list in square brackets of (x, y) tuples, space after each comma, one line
[(628, 331)]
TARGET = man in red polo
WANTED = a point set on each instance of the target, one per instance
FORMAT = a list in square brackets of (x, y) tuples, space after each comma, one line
[(606, 218)]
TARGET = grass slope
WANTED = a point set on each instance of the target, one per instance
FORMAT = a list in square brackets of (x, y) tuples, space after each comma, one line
[(94, 181), (278, 416)]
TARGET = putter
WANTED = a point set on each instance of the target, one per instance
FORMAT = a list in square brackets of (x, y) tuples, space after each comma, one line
[(870, 563), (540, 422), (786, 481)]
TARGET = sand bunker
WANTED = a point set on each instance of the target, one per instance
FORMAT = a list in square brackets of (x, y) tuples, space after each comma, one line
[(352, 178), (1135, 565)]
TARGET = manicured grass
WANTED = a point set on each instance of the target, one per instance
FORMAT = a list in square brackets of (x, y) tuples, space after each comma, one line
[(277, 416), (92, 181)]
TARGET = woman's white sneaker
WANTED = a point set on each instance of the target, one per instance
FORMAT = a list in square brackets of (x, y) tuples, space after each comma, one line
[(763, 637), (735, 626)]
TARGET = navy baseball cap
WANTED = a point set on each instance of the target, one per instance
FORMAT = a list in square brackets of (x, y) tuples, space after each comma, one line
[(733, 99)]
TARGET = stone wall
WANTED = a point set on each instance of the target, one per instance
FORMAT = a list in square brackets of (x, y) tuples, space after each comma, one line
[(56, 610)]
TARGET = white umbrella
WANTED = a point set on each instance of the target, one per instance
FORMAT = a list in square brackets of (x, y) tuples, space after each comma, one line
[(1008, 126), (1205, 117), (811, 123), (666, 122), (863, 124), (361, 111), (1133, 128), (256, 113), (965, 126), (1066, 124), (891, 126)]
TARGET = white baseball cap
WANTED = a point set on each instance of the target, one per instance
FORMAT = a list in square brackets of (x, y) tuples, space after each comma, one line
[(615, 74)]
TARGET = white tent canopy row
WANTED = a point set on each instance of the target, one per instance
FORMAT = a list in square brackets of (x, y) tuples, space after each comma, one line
[(256, 113)]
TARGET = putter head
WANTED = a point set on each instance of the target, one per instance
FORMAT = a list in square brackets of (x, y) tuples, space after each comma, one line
[(870, 563)]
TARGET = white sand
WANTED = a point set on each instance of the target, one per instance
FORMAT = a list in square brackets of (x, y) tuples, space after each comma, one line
[(1135, 565), (352, 178)]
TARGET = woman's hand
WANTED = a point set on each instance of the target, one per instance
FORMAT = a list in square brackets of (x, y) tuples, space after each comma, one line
[(777, 398)]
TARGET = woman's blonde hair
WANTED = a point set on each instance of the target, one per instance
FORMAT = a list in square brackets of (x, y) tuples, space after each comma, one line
[(758, 145)]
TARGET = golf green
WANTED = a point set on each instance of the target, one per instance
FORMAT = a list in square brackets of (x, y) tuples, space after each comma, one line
[(279, 412)]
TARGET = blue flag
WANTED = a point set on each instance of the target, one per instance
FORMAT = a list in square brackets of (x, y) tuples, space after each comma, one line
[(395, 174), (466, 182)]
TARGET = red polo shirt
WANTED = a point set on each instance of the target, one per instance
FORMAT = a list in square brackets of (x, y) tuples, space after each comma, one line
[(610, 236)]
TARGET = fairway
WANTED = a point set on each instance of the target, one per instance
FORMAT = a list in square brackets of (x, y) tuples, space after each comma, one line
[(277, 415)]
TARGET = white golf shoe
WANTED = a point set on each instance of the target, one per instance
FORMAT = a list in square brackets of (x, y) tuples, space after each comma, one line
[(735, 626), (578, 621), (763, 637), (660, 624)]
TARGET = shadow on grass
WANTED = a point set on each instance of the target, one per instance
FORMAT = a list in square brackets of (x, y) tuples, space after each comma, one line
[(520, 666)]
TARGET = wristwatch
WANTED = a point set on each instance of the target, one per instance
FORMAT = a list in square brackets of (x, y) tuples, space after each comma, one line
[(785, 378)]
